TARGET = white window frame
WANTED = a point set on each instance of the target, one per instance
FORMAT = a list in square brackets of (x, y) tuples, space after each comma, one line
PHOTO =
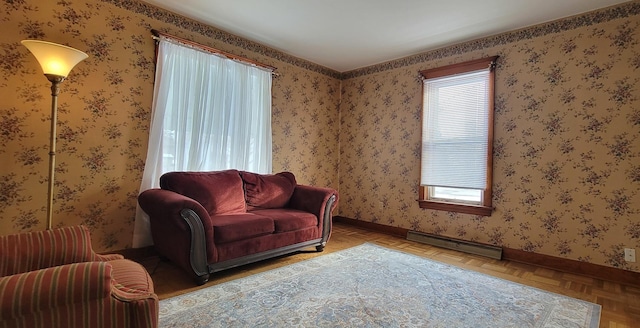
[(441, 193)]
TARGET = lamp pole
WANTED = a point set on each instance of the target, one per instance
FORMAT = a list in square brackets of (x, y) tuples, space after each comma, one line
[(55, 90)]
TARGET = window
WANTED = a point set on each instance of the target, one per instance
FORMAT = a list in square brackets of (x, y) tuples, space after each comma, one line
[(209, 113), (457, 137)]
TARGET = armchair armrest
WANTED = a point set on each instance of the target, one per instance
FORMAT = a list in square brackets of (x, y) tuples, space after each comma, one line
[(126, 294), (108, 257), (50, 288), (143, 303)]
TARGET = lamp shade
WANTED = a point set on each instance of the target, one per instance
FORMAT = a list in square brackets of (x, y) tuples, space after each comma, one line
[(55, 59)]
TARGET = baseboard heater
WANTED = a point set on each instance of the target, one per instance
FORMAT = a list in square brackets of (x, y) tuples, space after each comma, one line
[(470, 247)]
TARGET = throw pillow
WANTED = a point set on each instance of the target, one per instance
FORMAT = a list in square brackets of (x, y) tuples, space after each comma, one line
[(268, 190)]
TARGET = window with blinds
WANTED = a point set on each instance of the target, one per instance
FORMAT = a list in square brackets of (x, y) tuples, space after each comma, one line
[(457, 133)]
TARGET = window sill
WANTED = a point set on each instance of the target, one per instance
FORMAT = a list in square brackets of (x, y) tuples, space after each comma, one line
[(459, 208)]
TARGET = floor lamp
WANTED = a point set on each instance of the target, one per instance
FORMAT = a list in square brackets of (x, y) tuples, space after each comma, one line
[(56, 61)]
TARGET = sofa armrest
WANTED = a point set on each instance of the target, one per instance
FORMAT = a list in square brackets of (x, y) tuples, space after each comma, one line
[(316, 200), (312, 199), (46, 289), (181, 229), (165, 206)]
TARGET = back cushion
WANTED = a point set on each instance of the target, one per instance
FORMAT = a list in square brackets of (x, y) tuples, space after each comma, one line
[(30, 251), (219, 192), (268, 190)]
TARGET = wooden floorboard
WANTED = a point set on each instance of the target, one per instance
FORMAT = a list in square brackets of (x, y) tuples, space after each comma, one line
[(620, 302)]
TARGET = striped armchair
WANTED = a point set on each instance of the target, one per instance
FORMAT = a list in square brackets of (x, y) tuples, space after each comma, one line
[(53, 278)]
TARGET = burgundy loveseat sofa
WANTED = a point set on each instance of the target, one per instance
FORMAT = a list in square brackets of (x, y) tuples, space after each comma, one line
[(211, 221)]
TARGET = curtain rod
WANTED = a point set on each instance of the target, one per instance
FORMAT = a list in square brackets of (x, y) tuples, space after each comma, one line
[(200, 46)]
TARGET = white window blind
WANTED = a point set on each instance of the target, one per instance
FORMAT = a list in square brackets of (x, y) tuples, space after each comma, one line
[(455, 130)]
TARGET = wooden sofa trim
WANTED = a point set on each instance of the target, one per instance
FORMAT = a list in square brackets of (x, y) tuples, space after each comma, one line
[(198, 250), (326, 221)]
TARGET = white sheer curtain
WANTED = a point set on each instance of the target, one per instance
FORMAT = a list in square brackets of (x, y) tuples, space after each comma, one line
[(208, 113)]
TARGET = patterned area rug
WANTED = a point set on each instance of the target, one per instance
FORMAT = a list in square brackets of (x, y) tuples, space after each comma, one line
[(372, 286)]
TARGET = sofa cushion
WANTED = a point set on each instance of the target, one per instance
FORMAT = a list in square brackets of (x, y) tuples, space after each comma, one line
[(268, 190), (233, 227), (288, 219), (219, 192)]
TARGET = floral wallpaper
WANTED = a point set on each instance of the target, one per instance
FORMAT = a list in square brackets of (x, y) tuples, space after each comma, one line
[(104, 113), (567, 140), (567, 127)]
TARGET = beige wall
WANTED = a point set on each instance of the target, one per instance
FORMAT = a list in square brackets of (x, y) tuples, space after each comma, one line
[(567, 178), (567, 140), (104, 113)]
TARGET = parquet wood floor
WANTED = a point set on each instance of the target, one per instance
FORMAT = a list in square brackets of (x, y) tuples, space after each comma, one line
[(620, 303)]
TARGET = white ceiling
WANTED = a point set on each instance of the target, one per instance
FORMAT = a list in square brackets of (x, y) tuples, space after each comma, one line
[(348, 34)]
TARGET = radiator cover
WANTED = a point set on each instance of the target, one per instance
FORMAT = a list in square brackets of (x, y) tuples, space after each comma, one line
[(470, 247)]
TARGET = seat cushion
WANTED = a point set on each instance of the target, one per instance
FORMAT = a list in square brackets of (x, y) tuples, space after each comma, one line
[(219, 192), (288, 219), (268, 190), (234, 227), (131, 275)]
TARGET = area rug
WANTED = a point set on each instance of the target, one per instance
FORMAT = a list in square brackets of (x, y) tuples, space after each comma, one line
[(372, 286)]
